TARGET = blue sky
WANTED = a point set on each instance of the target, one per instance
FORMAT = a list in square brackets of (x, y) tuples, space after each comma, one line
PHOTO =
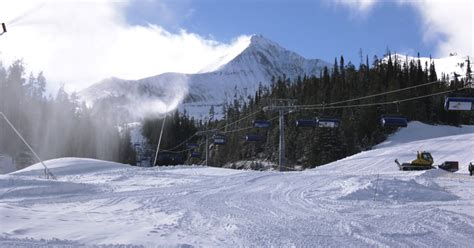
[(314, 29), (80, 42)]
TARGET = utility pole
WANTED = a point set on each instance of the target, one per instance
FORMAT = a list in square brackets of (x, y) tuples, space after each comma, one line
[(281, 146), (207, 150), (281, 105)]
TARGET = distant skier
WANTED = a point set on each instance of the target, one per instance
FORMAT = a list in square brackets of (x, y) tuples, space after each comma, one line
[(471, 168)]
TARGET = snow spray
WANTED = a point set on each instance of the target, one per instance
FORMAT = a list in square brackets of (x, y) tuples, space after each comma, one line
[(23, 18)]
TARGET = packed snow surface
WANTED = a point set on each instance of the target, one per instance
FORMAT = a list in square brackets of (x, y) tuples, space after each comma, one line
[(362, 200)]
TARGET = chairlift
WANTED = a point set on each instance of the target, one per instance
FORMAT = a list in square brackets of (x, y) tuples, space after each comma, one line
[(254, 138), (393, 121), (192, 145), (306, 123), (220, 139), (169, 158), (195, 154), (261, 124), (459, 103), (328, 122)]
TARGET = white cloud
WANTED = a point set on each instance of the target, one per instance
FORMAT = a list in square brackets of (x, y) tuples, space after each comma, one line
[(451, 19), (447, 23), (363, 6), (81, 42)]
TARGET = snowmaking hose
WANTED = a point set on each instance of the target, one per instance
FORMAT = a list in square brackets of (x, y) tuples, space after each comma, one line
[(47, 172)]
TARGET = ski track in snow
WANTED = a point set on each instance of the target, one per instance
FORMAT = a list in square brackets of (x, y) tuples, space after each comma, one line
[(361, 201)]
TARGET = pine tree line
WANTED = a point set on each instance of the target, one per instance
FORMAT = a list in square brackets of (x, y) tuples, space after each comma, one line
[(360, 129)]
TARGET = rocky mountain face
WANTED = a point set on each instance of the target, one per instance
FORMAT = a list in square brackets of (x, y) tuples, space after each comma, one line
[(216, 84), (234, 76)]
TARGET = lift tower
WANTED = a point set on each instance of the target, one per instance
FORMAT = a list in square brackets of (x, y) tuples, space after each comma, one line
[(282, 106), (208, 134)]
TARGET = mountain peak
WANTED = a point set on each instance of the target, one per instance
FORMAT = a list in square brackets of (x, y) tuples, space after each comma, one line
[(261, 41), (250, 45), (253, 61)]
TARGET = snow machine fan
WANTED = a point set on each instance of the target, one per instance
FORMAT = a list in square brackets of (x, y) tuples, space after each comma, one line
[(4, 29)]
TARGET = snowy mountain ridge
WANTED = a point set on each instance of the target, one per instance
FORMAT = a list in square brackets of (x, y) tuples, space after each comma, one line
[(216, 84), (235, 75)]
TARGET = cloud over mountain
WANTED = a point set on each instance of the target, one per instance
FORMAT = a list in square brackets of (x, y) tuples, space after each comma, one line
[(82, 42)]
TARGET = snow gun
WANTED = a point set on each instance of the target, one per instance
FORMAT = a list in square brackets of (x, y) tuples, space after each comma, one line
[(4, 28)]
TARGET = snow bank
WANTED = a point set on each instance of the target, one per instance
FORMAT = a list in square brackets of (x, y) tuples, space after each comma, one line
[(70, 166), (418, 131), (9, 242), (30, 188), (393, 190), (445, 143)]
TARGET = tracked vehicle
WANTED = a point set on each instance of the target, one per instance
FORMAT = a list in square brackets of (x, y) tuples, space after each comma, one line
[(423, 161)]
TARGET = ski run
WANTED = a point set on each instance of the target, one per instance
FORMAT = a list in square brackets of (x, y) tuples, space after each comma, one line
[(359, 201)]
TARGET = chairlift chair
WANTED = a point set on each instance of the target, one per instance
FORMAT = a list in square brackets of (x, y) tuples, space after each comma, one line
[(459, 103), (192, 145), (254, 138), (195, 154), (328, 122), (220, 139), (261, 124), (393, 121), (306, 123), (169, 158)]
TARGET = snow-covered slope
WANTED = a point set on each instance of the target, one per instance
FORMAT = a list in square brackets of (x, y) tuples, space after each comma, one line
[(359, 201), (240, 76), (445, 143), (448, 66)]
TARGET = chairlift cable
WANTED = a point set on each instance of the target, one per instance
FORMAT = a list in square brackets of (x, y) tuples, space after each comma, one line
[(369, 96), (182, 143), (185, 150), (382, 103), (329, 106), (241, 119)]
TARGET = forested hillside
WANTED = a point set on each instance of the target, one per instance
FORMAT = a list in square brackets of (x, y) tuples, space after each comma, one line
[(63, 126), (360, 120)]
